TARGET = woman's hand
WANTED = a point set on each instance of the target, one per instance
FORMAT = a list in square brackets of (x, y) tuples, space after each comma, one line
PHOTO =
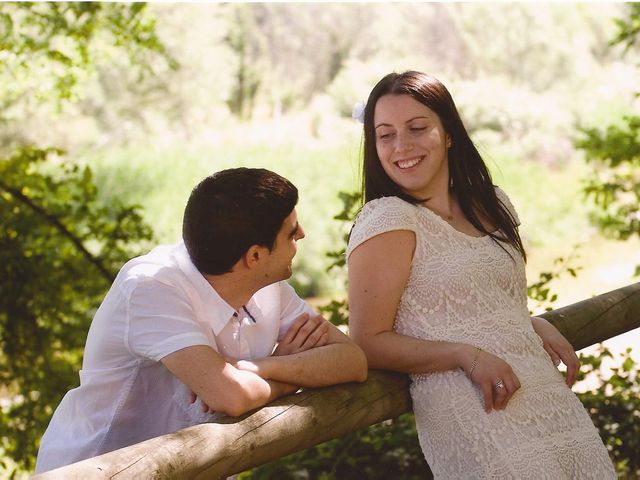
[(494, 376), (558, 347)]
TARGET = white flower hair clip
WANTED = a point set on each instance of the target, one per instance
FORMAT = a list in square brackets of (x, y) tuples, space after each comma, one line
[(357, 112)]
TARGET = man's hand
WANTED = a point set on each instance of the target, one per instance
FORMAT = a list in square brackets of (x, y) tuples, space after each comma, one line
[(305, 333), (558, 347), (205, 408)]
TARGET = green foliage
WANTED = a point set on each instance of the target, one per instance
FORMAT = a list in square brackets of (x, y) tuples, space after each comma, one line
[(61, 244), (614, 183), (351, 204), (540, 292), (337, 310), (614, 406), (48, 47), (60, 249), (628, 28), (614, 153)]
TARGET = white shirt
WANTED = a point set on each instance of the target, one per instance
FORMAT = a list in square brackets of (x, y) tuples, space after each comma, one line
[(159, 303)]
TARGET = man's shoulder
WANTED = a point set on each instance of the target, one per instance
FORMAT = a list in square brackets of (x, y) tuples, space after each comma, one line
[(279, 298), (159, 265), (278, 294), (270, 292)]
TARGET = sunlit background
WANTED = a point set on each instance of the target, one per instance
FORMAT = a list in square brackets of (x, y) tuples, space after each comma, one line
[(273, 85)]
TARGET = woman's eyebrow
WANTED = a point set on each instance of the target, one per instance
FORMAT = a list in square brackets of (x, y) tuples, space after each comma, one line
[(407, 121)]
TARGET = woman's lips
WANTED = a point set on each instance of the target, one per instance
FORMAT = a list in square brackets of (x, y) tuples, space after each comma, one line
[(408, 163)]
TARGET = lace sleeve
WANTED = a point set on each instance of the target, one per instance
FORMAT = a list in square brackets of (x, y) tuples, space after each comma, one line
[(379, 216), (504, 199)]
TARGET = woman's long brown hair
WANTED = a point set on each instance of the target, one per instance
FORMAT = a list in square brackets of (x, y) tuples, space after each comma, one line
[(470, 180)]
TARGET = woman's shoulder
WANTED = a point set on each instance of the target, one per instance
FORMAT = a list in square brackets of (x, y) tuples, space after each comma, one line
[(384, 205), (506, 201), (382, 215)]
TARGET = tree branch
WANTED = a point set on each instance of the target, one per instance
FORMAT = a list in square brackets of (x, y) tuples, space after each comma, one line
[(61, 228)]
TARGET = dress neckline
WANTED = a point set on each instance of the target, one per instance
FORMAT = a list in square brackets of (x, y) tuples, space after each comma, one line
[(451, 227)]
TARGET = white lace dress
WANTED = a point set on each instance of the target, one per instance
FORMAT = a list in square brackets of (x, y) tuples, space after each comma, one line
[(469, 290)]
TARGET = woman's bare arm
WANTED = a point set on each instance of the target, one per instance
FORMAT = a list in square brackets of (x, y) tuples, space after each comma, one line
[(378, 273)]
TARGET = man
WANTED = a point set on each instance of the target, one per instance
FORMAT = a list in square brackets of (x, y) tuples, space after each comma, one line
[(201, 319)]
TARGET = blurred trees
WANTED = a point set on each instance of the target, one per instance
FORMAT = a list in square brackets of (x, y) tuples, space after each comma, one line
[(614, 154), (246, 42), (614, 406), (60, 248), (60, 245), (259, 61), (50, 50)]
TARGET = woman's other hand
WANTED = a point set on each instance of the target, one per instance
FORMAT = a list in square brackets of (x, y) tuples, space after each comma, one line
[(558, 347)]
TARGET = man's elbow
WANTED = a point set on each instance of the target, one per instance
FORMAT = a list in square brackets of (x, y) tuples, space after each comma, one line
[(239, 399), (237, 405), (237, 409)]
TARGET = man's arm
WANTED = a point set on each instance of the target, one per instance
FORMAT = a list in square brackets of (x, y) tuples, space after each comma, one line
[(219, 384), (339, 361)]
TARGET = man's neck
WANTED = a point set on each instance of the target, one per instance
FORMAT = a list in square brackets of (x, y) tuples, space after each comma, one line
[(233, 289)]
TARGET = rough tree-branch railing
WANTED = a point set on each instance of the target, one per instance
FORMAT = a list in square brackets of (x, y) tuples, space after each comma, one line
[(297, 422)]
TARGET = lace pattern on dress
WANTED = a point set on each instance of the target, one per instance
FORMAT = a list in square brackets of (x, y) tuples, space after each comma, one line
[(468, 289)]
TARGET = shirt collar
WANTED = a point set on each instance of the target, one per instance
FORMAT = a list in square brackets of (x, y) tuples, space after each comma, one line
[(217, 311)]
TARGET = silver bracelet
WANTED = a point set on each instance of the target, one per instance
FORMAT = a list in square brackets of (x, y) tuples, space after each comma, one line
[(474, 364)]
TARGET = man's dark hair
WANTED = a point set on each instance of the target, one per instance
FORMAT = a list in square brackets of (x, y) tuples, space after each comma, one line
[(232, 210)]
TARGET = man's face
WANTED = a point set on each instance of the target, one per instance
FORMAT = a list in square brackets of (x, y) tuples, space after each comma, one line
[(278, 265)]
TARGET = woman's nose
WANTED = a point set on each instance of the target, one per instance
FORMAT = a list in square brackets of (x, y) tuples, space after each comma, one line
[(403, 143)]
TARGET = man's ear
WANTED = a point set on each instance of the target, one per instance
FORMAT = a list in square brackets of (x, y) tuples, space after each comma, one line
[(254, 255)]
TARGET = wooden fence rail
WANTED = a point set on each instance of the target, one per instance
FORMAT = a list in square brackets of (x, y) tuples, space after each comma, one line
[(300, 421)]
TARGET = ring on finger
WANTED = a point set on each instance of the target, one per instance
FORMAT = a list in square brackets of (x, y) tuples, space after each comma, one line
[(499, 385)]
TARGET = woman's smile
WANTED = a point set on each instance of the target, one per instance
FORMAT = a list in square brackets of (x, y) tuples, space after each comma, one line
[(412, 145), (408, 163)]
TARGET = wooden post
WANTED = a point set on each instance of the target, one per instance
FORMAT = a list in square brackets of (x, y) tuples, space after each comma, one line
[(599, 318), (288, 425), (296, 422)]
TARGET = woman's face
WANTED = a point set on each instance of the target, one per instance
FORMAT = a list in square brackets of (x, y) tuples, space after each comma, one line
[(412, 145)]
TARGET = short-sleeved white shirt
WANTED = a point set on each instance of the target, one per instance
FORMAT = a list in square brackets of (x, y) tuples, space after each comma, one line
[(159, 303)]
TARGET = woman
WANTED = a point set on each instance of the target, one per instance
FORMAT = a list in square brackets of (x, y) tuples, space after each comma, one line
[(437, 289)]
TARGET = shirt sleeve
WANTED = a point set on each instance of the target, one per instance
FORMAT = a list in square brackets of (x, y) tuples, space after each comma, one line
[(161, 321), (504, 199), (292, 306), (379, 216)]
